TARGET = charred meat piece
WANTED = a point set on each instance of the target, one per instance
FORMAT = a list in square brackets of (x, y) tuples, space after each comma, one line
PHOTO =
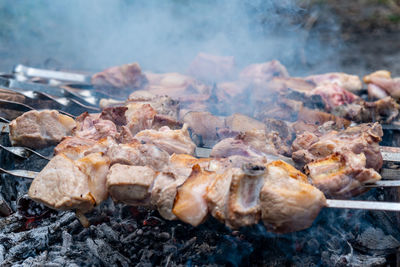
[(263, 72), (126, 76), (115, 114), (138, 154), (204, 127), (243, 206), (212, 68), (348, 82), (341, 175), (363, 138), (62, 185), (37, 129), (384, 110), (288, 202), (382, 83), (91, 126), (130, 184), (172, 141), (190, 204)]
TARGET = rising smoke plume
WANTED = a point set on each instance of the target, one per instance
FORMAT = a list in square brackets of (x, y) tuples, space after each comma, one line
[(162, 36)]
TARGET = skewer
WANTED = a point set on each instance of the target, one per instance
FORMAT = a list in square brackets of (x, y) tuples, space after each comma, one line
[(51, 74), (330, 203)]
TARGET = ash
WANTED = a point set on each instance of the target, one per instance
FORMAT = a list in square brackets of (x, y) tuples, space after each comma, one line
[(120, 235)]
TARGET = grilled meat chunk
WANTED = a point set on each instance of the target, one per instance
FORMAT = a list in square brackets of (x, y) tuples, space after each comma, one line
[(162, 104), (204, 127), (96, 167), (218, 191), (177, 86), (380, 84), (263, 72), (62, 185), (317, 117), (115, 114), (384, 110), (363, 138), (348, 82), (91, 126), (130, 184), (288, 202), (172, 141), (190, 204), (333, 95), (341, 175), (139, 117), (212, 68), (243, 206), (138, 154), (163, 194), (37, 129), (125, 76)]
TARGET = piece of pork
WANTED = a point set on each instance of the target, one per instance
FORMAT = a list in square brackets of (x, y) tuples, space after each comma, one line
[(124, 76), (263, 72), (163, 194), (190, 204), (363, 138), (333, 95), (243, 204), (172, 141), (317, 117), (95, 166), (381, 82), (218, 191), (288, 202), (348, 82), (115, 114), (341, 175), (130, 184), (177, 86), (37, 129), (74, 147), (91, 126), (204, 127), (138, 154), (212, 68), (384, 110), (162, 104), (62, 185)]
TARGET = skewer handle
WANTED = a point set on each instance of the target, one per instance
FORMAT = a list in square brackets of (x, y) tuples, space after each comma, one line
[(363, 205)]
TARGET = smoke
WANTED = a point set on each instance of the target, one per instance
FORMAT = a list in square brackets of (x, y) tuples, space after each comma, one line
[(162, 36)]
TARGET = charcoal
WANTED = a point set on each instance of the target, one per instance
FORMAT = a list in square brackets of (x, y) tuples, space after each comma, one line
[(374, 240)]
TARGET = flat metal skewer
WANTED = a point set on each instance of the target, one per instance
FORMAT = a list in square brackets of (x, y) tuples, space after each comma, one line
[(363, 205)]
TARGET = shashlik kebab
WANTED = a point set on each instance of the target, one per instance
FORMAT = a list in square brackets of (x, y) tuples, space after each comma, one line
[(351, 167)]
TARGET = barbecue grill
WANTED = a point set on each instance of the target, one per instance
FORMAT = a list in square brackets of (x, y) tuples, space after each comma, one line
[(120, 235)]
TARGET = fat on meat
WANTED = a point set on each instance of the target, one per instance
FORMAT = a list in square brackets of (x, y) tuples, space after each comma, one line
[(288, 202), (37, 129), (91, 126)]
